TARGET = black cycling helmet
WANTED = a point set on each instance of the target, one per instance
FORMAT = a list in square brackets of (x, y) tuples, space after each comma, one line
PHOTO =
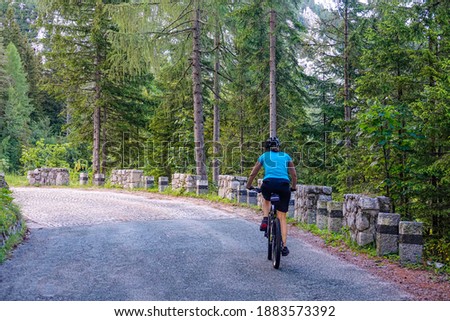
[(272, 142)]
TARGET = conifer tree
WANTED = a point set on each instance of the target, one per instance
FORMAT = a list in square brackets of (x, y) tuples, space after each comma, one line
[(16, 127)]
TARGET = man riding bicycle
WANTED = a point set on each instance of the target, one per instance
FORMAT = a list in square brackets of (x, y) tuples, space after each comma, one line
[(277, 168)]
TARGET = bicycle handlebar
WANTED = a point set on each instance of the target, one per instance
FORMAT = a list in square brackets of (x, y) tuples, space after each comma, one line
[(256, 189)]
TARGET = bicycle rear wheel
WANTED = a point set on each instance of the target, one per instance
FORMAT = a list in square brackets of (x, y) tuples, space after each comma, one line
[(276, 243)]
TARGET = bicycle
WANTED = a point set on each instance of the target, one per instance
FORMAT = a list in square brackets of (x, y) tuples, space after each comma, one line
[(273, 232)]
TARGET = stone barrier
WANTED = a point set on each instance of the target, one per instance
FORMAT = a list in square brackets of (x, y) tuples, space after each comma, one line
[(48, 176), (387, 233), (127, 178), (322, 215), (291, 209), (242, 194), (252, 198), (260, 198), (163, 183), (335, 216), (3, 183), (84, 178), (148, 181), (361, 214), (306, 200), (410, 242), (229, 185), (202, 186), (188, 182), (99, 180)]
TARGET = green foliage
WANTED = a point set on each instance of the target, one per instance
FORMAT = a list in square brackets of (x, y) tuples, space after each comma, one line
[(437, 250), (15, 125), (9, 216), (46, 155)]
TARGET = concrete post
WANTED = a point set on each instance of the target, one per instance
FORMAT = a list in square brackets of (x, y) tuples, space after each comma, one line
[(322, 215), (335, 216), (163, 183), (149, 182), (410, 242), (84, 178), (202, 186), (260, 198), (99, 179), (242, 194), (291, 209), (252, 198), (387, 233)]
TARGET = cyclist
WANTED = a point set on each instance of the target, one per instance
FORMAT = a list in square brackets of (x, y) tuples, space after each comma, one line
[(277, 168)]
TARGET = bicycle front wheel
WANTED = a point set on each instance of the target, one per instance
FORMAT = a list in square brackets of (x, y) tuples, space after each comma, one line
[(276, 243)]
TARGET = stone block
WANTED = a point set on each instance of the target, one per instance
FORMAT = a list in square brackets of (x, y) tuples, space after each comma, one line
[(163, 183), (252, 198), (368, 203), (327, 190), (384, 204), (291, 208), (149, 181), (84, 178), (410, 242), (362, 221), (99, 179), (202, 187), (387, 233), (363, 238)]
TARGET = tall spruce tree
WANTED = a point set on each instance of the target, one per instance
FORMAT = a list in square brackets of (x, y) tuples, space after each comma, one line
[(16, 125)]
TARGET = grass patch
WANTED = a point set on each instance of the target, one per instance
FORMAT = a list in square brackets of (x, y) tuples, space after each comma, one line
[(15, 180)]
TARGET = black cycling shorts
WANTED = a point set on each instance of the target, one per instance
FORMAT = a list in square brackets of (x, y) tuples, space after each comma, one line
[(281, 187)]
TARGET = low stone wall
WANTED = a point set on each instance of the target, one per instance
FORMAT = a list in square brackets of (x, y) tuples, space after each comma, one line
[(306, 199), (229, 186), (127, 178), (49, 176), (3, 183), (188, 182), (361, 215)]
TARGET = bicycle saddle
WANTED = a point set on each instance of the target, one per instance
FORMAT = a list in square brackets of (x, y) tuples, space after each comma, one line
[(274, 198)]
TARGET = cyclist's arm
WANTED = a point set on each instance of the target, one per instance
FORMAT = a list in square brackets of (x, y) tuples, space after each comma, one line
[(253, 174), (293, 174)]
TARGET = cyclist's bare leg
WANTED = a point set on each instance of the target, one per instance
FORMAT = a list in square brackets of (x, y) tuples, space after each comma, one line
[(266, 207), (283, 224)]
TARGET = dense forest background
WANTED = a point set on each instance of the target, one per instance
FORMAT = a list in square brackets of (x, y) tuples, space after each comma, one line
[(362, 91)]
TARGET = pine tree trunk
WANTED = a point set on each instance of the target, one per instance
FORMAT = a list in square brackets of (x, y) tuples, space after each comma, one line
[(104, 139), (198, 98), (272, 80), (96, 147), (347, 109), (216, 129)]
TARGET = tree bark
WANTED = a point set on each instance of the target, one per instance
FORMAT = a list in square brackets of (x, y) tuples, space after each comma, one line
[(216, 129), (198, 98), (272, 80), (347, 109), (97, 103)]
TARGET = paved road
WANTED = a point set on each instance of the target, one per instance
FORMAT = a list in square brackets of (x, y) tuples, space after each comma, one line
[(103, 245)]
